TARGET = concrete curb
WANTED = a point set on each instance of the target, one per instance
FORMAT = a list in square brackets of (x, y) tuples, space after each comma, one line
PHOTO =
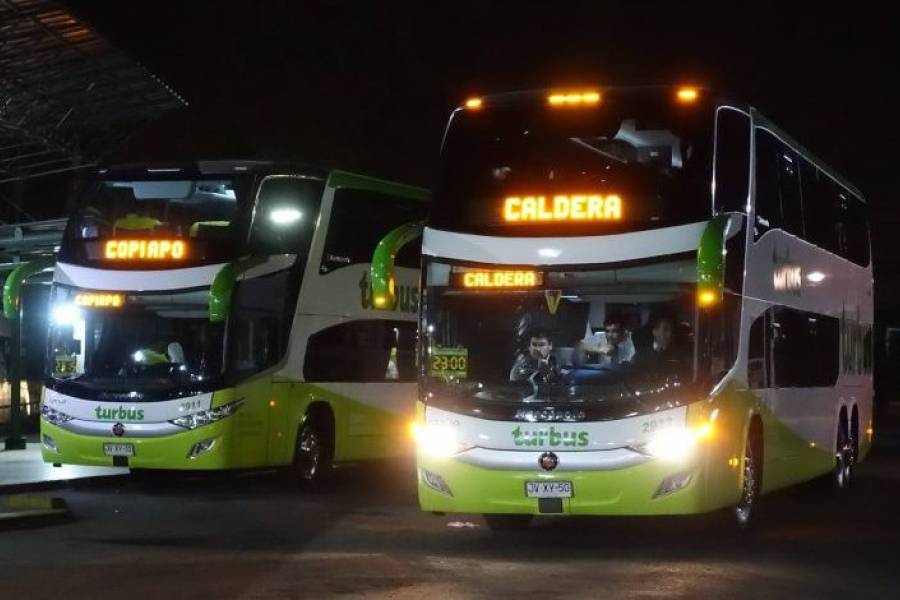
[(23, 511), (56, 484)]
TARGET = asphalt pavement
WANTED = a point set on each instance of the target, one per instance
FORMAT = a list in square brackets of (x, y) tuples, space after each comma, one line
[(252, 535)]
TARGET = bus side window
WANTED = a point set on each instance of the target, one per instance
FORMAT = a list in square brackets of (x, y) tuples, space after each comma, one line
[(756, 357), (260, 323), (362, 351), (285, 216), (805, 348), (360, 219), (853, 229), (819, 197), (768, 200), (789, 190), (732, 164)]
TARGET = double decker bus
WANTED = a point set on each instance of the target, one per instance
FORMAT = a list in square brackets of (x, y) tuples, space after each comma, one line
[(219, 315), (637, 301)]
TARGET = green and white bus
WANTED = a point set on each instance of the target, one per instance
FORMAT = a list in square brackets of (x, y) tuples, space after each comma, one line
[(219, 315), (637, 302)]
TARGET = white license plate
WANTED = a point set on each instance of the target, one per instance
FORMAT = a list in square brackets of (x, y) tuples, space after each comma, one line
[(118, 449), (548, 489)]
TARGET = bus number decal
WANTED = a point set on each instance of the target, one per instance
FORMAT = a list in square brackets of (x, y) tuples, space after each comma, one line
[(656, 425)]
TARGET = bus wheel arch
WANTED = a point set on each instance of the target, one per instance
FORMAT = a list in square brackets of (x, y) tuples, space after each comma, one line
[(854, 434), (314, 445)]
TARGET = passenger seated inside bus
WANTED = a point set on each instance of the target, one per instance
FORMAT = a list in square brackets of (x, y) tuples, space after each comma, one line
[(537, 362), (612, 346)]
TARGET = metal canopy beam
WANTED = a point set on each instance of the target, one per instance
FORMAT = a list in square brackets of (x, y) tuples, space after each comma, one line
[(67, 96)]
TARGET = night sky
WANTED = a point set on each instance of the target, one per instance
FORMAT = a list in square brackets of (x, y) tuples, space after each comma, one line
[(369, 85)]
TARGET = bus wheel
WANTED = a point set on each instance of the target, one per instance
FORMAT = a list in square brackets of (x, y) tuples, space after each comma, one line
[(312, 455), (504, 522), (743, 510), (843, 459)]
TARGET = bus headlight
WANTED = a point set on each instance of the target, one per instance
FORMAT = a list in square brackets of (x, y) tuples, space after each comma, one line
[(53, 416), (205, 417), (676, 444), (438, 441)]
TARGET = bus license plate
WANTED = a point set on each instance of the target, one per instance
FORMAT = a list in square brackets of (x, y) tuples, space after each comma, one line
[(118, 449), (548, 489)]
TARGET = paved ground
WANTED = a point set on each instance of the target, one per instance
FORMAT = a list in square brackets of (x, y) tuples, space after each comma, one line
[(21, 467), (255, 537)]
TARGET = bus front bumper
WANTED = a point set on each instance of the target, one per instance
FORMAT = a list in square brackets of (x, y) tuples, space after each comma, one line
[(654, 487), (212, 447)]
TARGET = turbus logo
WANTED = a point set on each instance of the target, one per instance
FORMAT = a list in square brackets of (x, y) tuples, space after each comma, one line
[(550, 437), (407, 296), (119, 414)]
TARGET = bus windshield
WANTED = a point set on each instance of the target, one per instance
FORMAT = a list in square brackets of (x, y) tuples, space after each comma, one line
[(615, 342), (202, 213), (645, 159), (154, 344)]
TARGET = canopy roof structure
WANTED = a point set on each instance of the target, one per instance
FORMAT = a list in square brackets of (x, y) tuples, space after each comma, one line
[(67, 96)]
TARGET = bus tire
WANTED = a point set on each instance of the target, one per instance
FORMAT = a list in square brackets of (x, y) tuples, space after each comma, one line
[(507, 522), (751, 479), (314, 449), (843, 456)]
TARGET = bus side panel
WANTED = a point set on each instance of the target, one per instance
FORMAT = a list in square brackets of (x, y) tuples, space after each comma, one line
[(801, 423), (372, 419), (250, 428)]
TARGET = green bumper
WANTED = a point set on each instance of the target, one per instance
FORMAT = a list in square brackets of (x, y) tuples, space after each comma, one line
[(627, 491), (164, 452)]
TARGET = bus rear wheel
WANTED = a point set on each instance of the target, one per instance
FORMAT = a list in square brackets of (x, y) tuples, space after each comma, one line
[(843, 460), (506, 522), (312, 453)]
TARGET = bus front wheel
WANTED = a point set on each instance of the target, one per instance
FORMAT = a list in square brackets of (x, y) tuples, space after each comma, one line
[(751, 478), (312, 454)]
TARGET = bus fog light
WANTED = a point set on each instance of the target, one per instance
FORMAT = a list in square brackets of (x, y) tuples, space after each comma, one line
[(673, 483), (201, 447), (435, 482), (49, 443)]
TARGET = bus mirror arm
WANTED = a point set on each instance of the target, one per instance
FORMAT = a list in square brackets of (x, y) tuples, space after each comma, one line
[(711, 262), (12, 287), (221, 290), (382, 269)]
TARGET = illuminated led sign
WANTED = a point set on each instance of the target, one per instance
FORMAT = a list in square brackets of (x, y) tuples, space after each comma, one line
[(562, 208), (587, 98), (100, 300), (498, 279), (145, 250)]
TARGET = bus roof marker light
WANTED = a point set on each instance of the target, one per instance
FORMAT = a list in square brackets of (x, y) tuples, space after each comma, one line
[(474, 103), (687, 95), (584, 98)]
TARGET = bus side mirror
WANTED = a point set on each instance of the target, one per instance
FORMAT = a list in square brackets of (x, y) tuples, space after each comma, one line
[(382, 269), (12, 287), (711, 262), (222, 289)]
